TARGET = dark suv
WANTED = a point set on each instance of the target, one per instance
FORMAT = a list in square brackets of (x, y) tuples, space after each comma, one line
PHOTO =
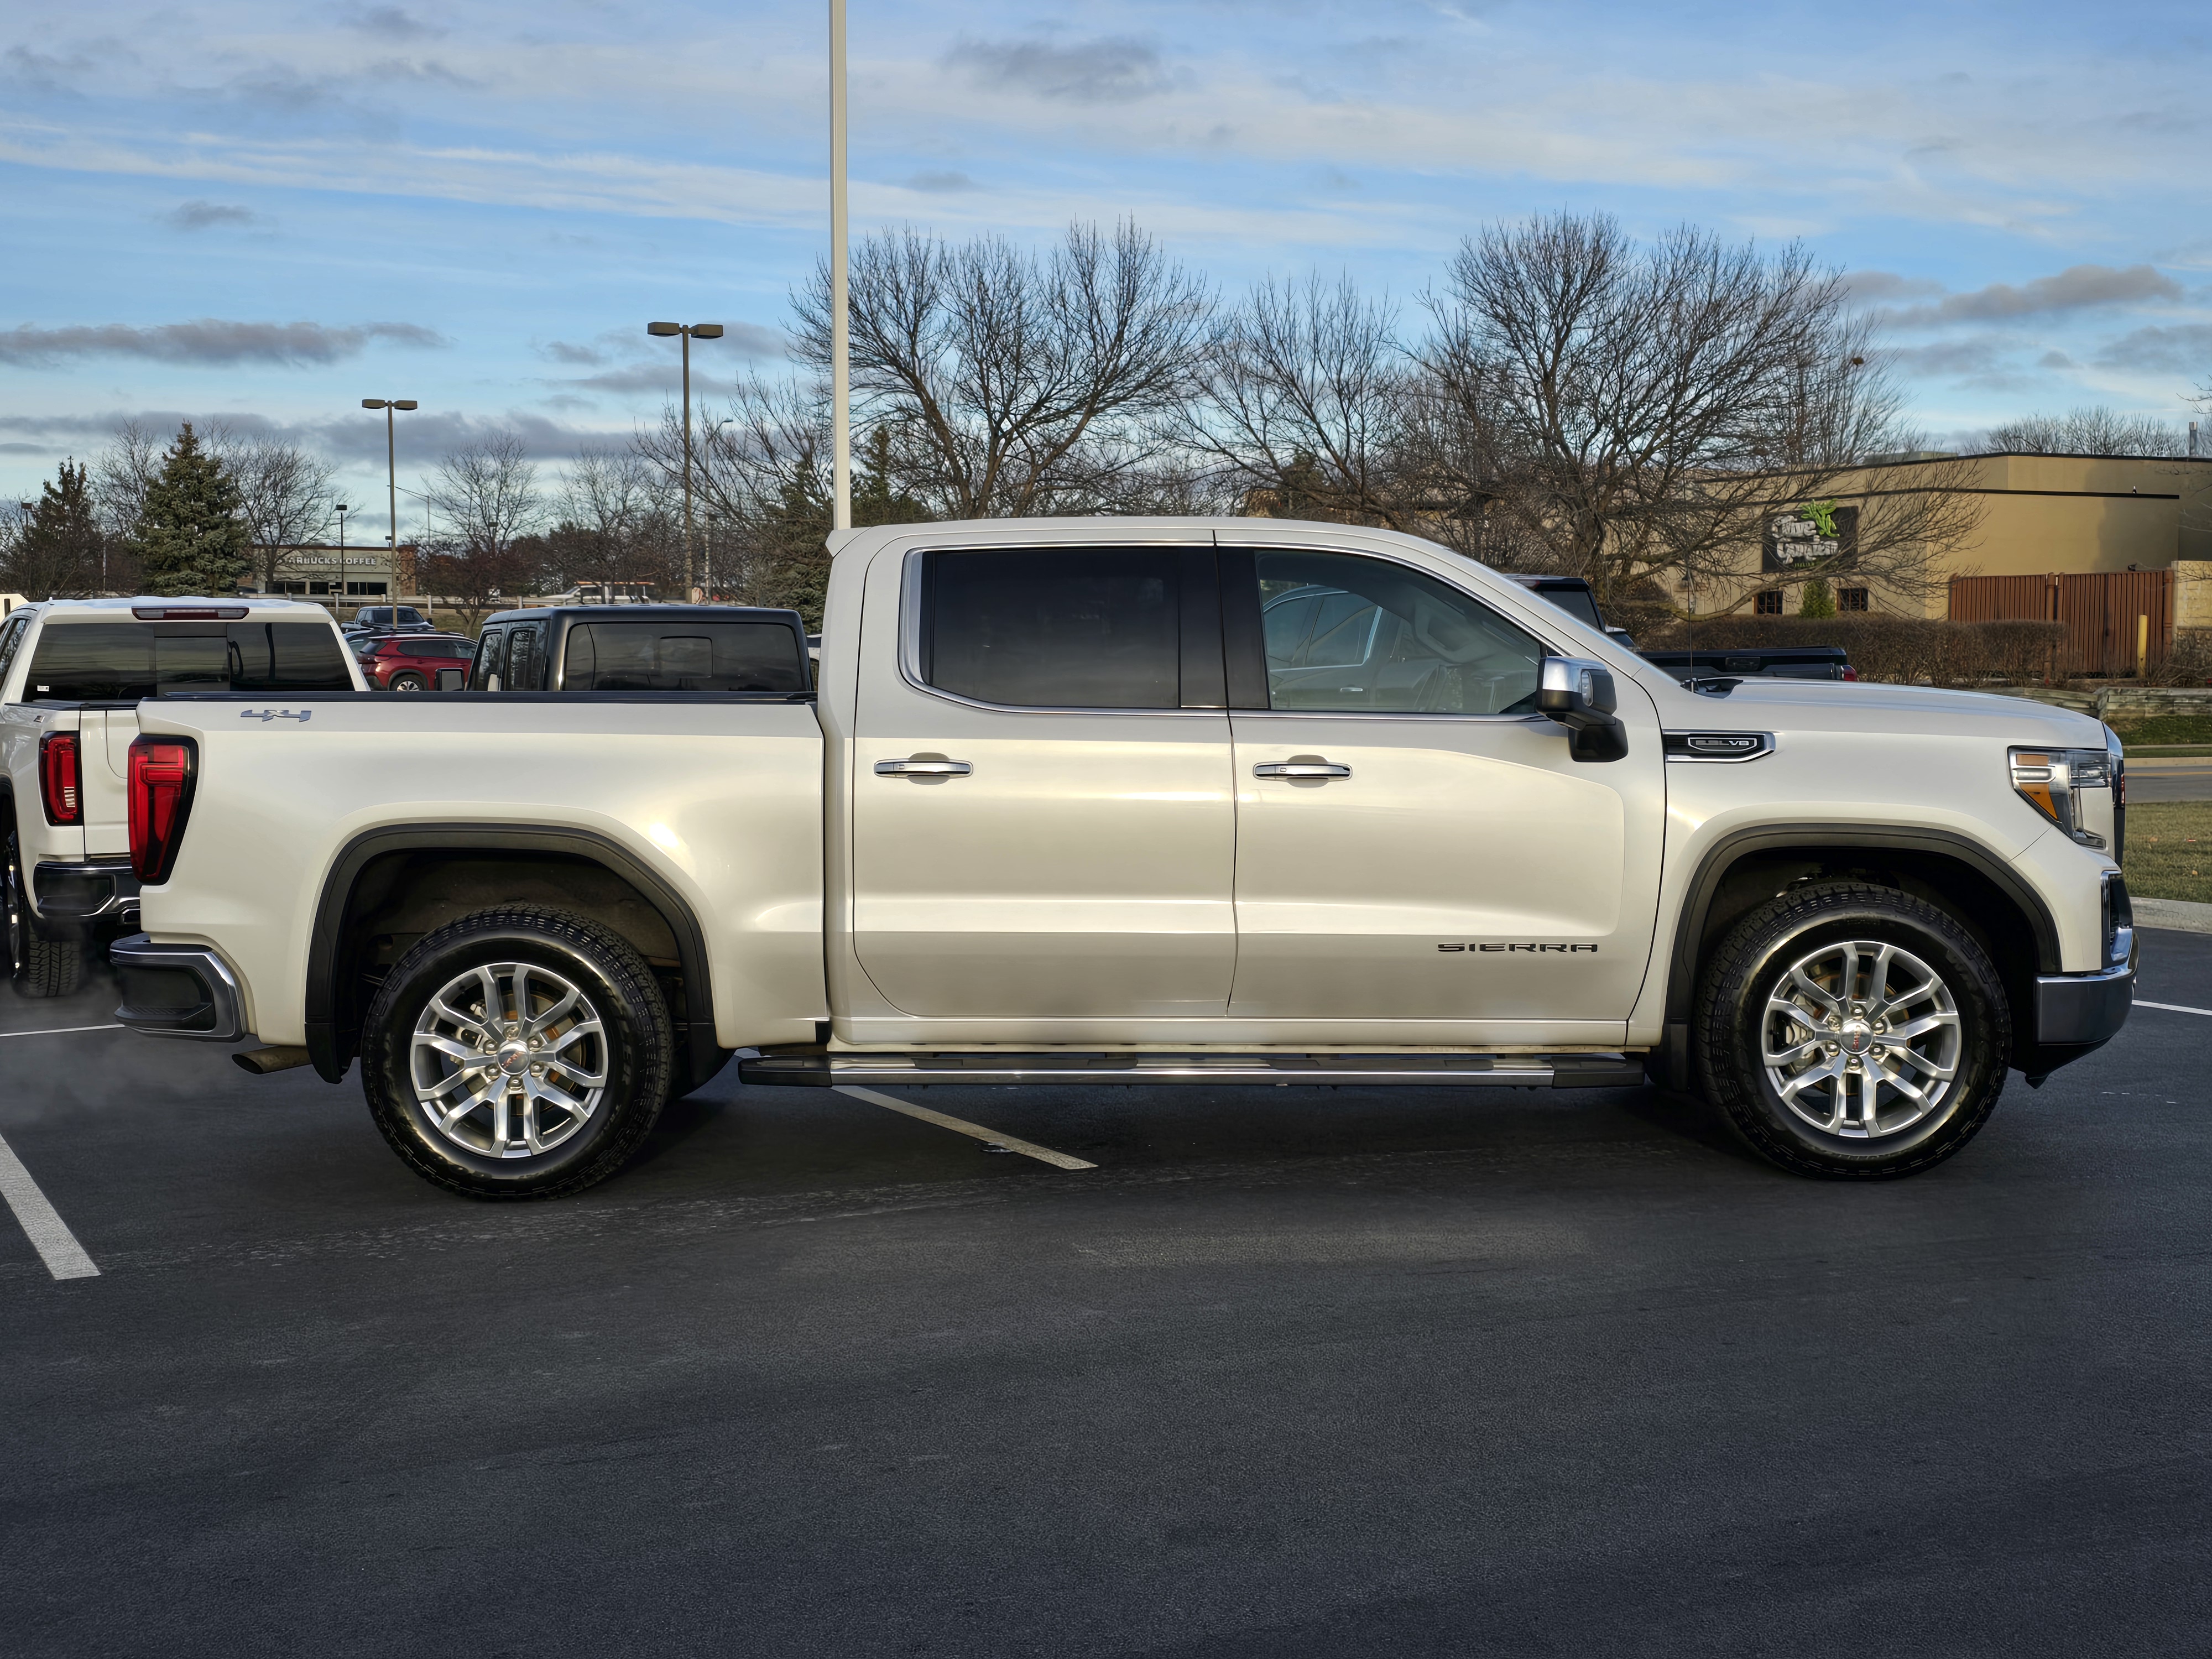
[(644, 647), (392, 619)]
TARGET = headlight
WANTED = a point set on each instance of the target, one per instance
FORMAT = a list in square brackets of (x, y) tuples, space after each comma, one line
[(2073, 789)]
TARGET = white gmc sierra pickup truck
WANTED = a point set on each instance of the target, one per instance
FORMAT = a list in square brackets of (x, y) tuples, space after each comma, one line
[(1217, 801), (72, 674)]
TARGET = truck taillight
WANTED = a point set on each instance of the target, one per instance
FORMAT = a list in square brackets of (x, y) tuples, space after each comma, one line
[(161, 786), (60, 783)]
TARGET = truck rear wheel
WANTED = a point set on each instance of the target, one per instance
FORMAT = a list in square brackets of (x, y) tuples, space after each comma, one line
[(37, 966), (517, 1054), (1847, 1030)]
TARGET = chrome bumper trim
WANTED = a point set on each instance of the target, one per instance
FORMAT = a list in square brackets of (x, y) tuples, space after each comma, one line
[(2084, 1008), (178, 991), (819, 1071)]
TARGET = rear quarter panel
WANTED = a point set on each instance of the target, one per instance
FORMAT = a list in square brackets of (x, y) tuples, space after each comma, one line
[(722, 800)]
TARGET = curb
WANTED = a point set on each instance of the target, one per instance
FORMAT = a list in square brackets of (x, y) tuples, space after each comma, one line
[(2176, 915)]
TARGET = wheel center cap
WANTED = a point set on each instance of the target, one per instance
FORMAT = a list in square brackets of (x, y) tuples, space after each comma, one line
[(514, 1057), (1857, 1036)]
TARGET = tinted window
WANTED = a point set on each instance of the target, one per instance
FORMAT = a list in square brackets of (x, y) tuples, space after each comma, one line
[(491, 659), (450, 650), (1080, 629), (683, 656), (1576, 602), (123, 662), (525, 664), (1349, 634), (11, 637)]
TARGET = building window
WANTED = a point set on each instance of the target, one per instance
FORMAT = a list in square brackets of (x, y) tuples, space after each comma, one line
[(1769, 603), (1851, 599)]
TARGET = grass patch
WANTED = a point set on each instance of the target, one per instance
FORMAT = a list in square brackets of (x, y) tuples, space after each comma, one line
[(2165, 728), (2169, 851)]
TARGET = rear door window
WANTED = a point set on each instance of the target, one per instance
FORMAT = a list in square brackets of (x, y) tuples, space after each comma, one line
[(525, 658), (763, 658), (1076, 628), (125, 662), (11, 640)]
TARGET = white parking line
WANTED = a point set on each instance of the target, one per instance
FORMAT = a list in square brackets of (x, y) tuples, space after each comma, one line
[(1026, 1148), (2173, 1008), (62, 1031), (49, 1234)]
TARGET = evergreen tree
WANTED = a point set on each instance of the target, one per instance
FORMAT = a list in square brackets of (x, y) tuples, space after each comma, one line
[(189, 537), (1819, 600), (56, 554)]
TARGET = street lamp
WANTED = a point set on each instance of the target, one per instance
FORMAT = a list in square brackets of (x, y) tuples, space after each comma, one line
[(840, 372), (338, 601), (391, 468), (688, 332)]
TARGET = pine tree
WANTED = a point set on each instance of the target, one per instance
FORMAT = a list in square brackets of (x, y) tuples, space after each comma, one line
[(1818, 600), (189, 537), (56, 555)]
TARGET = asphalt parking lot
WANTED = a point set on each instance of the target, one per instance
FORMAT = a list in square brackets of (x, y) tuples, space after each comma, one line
[(1288, 1373)]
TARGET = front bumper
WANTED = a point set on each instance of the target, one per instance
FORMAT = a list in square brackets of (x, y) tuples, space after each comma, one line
[(77, 898), (2075, 1014), (177, 991)]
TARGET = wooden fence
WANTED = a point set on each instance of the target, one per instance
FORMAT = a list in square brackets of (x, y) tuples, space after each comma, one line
[(2106, 614)]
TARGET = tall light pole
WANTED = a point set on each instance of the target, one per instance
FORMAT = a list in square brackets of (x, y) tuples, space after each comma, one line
[(841, 342), (337, 599), (689, 331), (391, 471)]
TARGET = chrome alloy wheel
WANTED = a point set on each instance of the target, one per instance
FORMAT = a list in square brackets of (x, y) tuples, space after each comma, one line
[(1860, 1040), (509, 1060)]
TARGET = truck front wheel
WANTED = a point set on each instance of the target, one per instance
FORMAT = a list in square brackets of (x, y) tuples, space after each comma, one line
[(517, 1054), (1850, 1030)]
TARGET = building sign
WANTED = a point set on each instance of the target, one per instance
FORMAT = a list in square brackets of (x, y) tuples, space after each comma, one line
[(1810, 535)]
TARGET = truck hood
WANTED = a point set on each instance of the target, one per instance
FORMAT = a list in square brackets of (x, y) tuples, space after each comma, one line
[(1829, 705)]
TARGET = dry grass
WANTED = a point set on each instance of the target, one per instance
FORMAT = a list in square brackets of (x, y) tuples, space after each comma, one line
[(2169, 850)]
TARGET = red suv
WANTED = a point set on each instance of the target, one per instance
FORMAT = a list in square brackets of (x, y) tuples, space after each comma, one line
[(410, 662)]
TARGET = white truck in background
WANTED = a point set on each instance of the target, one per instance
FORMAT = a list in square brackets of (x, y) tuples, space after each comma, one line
[(1146, 800), (72, 675)]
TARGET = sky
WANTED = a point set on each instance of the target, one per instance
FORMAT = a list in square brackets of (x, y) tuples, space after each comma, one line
[(265, 212)]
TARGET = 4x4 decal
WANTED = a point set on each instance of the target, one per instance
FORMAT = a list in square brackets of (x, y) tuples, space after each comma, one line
[(265, 715)]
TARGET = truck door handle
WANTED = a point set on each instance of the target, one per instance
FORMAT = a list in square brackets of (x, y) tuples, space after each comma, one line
[(923, 766), (1301, 766)]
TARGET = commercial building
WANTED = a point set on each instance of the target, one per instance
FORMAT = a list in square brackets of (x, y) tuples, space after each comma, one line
[(335, 575)]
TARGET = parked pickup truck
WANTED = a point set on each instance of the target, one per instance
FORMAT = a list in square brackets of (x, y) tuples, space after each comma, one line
[(72, 672), (1146, 800), (1779, 662)]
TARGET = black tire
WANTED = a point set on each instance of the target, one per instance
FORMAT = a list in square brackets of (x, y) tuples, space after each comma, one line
[(37, 966), (408, 680), (635, 1058), (1735, 1020)]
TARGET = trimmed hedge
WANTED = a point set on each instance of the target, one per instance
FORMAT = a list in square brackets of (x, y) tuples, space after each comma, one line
[(1906, 650)]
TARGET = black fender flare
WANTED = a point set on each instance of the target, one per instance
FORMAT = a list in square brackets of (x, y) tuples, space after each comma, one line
[(331, 1049), (1716, 860)]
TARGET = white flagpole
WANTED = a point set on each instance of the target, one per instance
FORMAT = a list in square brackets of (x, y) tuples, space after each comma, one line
[(840, 374)]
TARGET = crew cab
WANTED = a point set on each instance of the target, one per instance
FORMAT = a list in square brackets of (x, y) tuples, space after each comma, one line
[(72, 674), (1140, 801)]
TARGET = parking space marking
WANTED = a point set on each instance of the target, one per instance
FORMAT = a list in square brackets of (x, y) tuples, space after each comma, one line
[(63, 1030), (959, 1126), (2173, 1008), (49, 1234)]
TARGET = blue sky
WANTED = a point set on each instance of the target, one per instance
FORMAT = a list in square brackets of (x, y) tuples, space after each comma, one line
[(268, 211)]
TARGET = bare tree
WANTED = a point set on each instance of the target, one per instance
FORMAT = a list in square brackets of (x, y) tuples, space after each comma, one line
[(284, 496), (2093, 429), (487, 491), (610, 523), (1636, 415), (1301, 405), (1009, 384)]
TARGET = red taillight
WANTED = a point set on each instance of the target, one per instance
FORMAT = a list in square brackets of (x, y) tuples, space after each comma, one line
[(161, 798), (1850, 672), (59, 784)]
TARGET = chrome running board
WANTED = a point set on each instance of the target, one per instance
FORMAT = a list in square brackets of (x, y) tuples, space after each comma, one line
[(823, 1071)]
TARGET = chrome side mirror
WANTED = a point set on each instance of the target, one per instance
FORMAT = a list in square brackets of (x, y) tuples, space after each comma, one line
[(1578, 694)]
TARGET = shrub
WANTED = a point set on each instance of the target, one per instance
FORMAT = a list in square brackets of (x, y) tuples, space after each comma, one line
[(1905, 650)]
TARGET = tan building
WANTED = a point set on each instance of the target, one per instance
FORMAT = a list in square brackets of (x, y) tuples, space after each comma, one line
[(2039, 516), (356, 576)]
